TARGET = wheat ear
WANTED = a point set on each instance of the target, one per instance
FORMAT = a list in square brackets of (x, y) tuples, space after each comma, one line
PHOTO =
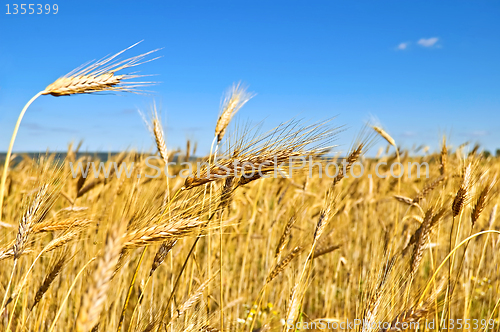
[(284, 237), (161, 254), (96, 77), (236, 97), (283, 264), (49, 278), (444, 158), (420, 243), (96, 295), (320, 251), (192, 300), (462, 195), (482, 201), (23, 232), (427, 189), (100, 76), (385, 136), (350, 160), (159, 138), (403, 199)]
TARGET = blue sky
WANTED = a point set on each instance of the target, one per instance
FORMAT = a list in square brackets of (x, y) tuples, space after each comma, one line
[(422, 68)]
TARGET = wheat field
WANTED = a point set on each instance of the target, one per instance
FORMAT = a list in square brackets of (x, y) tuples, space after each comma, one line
[(222, 251)]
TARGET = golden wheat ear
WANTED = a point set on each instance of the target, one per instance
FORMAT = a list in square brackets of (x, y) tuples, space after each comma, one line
[(94, 77), (235, 98), (101, 76)]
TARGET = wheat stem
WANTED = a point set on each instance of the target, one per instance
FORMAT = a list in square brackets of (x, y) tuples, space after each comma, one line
[(68, 293), (138, 303), (8, 287), (130, 288), (11, 145), (177, 282), (448, 257)]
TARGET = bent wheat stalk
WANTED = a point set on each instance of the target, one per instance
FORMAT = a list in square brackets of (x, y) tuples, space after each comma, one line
[(9, 151), (96, 77), (235, 99)]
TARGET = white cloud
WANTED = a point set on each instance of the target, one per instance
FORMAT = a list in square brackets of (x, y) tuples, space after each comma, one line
[(402, 46), (429, 42)]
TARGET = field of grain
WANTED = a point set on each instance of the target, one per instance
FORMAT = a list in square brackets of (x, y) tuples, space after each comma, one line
[(221, 251)]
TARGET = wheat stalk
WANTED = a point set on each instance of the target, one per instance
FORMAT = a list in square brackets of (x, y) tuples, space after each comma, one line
[(96, 77)]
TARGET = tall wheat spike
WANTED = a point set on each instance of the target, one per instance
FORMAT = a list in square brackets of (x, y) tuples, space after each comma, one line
[(236, 97), (99, 76), (24, 229), (159, 137), (283, 264), (28, 220), (443, 157), (482, 200), (385, 135), (463, 194), (284, 237)]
